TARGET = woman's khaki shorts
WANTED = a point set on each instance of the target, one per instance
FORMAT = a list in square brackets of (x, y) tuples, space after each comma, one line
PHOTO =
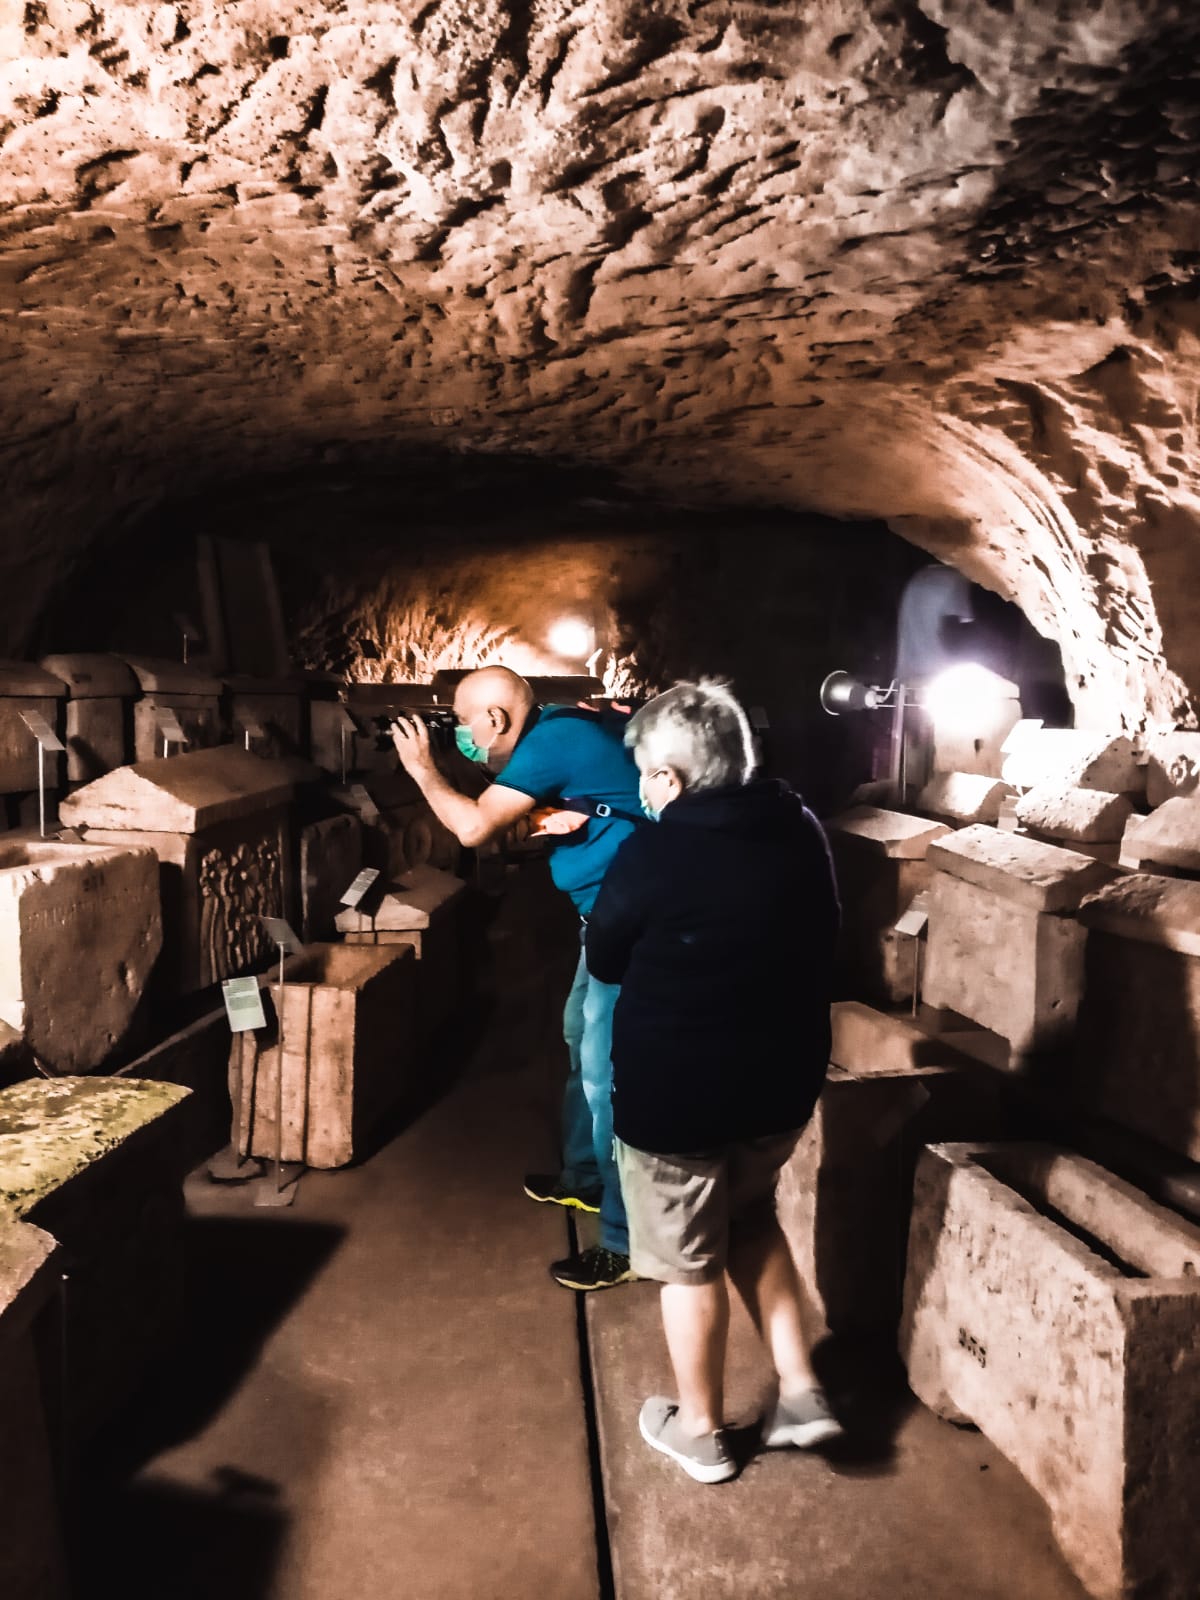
[(681, 1208)]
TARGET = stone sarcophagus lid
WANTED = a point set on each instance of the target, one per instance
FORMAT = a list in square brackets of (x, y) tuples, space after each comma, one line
[(1090, 821), (1073, 758), (80, 932), (98, 1164), (422, 911), (174, 696), (218, 822), (101, 691), (1005, 949), (27, 688), (880, 857), (1136, 1057), (349, 1016), (1167, 841), (1058, 1309), (961, 798)]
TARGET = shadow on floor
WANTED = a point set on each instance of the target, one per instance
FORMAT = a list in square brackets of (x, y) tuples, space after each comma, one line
[(866, 1382)]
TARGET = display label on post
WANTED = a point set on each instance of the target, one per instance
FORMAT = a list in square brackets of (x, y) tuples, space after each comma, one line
[(367, 809), (42, 731), (280, 933), (913, 922), (243, 1004), (358, 888), (169, 726), (250, 724)]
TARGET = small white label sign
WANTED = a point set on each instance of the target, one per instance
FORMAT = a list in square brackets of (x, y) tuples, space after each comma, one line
[(280, 932), (169, 726), (358, 888), (42, 731), (243, 1004), (913, 922)]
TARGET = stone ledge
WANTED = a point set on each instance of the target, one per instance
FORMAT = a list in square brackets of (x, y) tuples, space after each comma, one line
[(895, 834), (1041, 876), (1084, 816), (1151, 909), (963, 797)]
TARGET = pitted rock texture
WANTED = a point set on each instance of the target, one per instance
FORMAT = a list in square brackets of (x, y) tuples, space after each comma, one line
[(932, 262)]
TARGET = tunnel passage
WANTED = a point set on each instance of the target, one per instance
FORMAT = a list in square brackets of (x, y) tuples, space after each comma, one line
[(931, 264)]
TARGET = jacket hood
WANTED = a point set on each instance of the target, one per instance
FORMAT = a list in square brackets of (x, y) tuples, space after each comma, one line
[(762, 807)]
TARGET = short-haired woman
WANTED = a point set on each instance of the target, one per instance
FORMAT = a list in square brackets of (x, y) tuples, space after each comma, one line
[(719, 925)]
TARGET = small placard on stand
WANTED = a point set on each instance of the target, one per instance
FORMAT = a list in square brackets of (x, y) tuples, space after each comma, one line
[(914, 924), (360, 887), (48, 743), (243, 1004), (170, 729), (281, 933)]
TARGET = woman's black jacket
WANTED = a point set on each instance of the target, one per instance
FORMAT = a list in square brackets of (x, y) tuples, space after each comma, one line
[(718, 922)]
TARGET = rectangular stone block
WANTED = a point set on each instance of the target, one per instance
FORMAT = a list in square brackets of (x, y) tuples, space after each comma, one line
[(269, 713), (963, 797), (1079, 757), (101, 691), (879, 859), (1058, 1309), (1135, 1057), (1025, 871), (217, 823), (349, 1019), (1168, 839), (25, 687), (191, 693), (97, 1164), (330, 860), (31, 1560), (1003, 964), (867, 1042), (894, 834), (844, 1195), (80, 932), (423, 911)]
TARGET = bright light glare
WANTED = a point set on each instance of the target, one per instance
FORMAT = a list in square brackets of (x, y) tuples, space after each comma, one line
[(572, 638), (964, 698)]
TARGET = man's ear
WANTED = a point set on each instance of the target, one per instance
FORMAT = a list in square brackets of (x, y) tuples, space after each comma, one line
[(499, 719)]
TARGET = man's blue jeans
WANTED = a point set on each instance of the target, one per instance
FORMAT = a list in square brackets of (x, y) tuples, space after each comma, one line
[(588, 1159)]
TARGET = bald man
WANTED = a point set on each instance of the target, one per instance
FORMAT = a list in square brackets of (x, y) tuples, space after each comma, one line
[(543, 756)]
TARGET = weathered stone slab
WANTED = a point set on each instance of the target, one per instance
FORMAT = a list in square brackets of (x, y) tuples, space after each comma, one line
[(1003, 963), (26, 687), (422, 912), (867, 1042), (80, 931), (101, 691), (330, 859), (216, 821), (1077, 757), (1136, 1061), (963, 797), (1040, 876), (400, 832), (1083, 1371), (894, 834), (31, 1562), (844, 1195), (96, 1163), (1172, 765), (191, 693), (1079, 816), (349, 1018), (269, 714), (1168, 837), (93, 676)]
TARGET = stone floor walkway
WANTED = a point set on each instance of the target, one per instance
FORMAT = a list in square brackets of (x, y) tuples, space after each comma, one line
[(382, 1396)]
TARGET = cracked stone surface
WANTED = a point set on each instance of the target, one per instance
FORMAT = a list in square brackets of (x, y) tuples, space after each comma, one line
[(933, 262)]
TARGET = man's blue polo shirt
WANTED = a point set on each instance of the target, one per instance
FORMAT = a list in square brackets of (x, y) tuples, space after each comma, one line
[(577, 754)]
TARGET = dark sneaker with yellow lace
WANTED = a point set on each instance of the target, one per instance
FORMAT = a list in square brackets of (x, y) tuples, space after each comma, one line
[(706, 1459), (595, 1268), (547, 1189)]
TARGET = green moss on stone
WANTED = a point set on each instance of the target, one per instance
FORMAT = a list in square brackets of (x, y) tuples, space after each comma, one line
[(52, 1128)]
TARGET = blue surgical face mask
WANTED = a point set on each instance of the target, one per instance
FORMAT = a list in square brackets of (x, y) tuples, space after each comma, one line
[(465, 740), (646, 806)]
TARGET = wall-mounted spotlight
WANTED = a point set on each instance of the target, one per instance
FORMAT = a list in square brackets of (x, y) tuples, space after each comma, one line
[(572, 638), (840, 692)]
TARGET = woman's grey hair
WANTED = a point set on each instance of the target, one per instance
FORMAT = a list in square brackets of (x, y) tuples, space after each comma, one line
[(697, 729)]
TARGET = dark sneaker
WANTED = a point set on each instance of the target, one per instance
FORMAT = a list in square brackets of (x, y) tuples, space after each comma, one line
[(596, 1268), (802, 1420), (549, 1190), (706, 1459)]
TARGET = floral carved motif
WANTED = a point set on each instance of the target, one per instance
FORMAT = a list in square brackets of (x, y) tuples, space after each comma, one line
[(237, 887)]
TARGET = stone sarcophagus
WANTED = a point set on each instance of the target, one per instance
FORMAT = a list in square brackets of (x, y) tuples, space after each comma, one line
[(423, 911), (267, 715), (1058, 1309), (97, 1163), (349, 1018), (101, 691), (330, 859), (880, 857), (174, 696), (80, 932), (1005, 949), (31, 1561), (26, 688), (218, 822), (400, 832), (1136, 1057)]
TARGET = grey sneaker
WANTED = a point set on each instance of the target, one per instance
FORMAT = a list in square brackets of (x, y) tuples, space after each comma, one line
[(802, 1420), (705, 1459)]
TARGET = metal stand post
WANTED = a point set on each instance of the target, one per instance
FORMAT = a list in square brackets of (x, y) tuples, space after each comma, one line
[(41, 790), (232, 1165), (283, 1191)]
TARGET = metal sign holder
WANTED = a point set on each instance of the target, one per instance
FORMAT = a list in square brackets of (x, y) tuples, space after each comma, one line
[(188, 630), (47, 740), (251, 727), (281, 1189), (171, 730), (245, 1013)]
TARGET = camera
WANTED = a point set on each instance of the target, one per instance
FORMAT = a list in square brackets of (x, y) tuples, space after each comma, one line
[(440, 721)]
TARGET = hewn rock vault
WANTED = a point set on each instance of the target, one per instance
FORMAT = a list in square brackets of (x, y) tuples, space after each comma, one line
[(934, 262)]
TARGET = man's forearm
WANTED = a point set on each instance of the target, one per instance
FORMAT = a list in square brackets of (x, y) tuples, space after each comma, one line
[(456, 811)]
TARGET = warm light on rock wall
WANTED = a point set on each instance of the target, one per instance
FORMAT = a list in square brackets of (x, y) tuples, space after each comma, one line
[(932, 263)]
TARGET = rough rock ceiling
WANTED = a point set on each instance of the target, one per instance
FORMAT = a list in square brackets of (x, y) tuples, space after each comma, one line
[(934, 262)]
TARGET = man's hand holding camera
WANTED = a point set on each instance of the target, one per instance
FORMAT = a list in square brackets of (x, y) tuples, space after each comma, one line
[(410, 735)]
